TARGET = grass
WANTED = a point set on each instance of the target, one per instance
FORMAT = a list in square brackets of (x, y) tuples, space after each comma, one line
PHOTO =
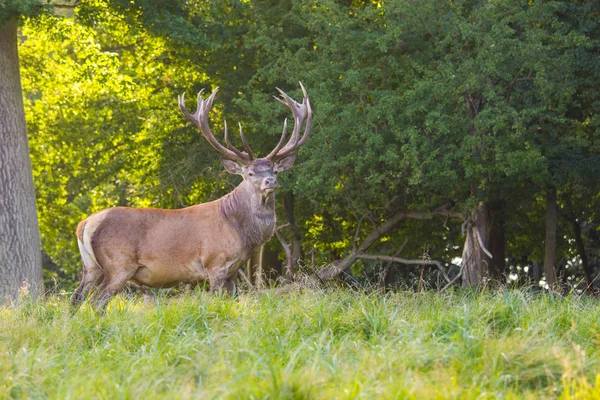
[(316, 344)]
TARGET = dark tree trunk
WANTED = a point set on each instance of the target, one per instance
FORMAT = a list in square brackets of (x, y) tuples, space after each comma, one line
[(20, 255), (550, 243), (475, 260), (589, 274), (497, 242), (536, 273)]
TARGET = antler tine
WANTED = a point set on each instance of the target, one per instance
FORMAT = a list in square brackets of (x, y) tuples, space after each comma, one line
[(200, 119), (280, 144), (295, 108), (245, 143), (231, 147), (308, 125), (184, 111), (301, 112)]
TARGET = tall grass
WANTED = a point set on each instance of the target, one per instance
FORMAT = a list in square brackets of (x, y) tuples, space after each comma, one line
[(316, 344)]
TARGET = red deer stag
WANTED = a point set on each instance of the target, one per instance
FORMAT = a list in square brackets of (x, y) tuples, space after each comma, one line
[(211, 241)]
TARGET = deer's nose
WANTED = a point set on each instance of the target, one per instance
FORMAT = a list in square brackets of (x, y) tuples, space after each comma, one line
[(271, 183)]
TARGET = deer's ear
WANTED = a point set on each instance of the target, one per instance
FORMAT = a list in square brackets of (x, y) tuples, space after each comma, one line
[(233, 167), (285, 163)]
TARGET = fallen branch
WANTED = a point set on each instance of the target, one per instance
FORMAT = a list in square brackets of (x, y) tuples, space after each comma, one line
[(246, 279), (460, 272), (406, 261), (337, 267)]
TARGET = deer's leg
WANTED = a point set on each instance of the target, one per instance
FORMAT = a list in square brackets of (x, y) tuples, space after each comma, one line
[(220, 282), (92, 276), (230, 285), (110, 286), (222, 285), (217, 282)]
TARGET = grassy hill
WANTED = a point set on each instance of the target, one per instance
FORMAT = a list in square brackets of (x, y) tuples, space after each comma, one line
[(316, 344)]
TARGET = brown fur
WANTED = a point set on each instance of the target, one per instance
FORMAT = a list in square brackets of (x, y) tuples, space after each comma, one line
[(162, 248)]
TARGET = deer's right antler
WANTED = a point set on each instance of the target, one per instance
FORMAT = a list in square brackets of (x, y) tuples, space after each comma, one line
[(200, 119), (300, 112)]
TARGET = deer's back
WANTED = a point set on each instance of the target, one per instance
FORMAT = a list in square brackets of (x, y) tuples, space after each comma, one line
[(168, 246)]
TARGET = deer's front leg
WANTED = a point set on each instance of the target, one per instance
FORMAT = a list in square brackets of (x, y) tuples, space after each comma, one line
[(220, 282), (230, 285)]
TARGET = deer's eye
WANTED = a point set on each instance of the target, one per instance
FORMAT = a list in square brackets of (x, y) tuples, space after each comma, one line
[(250, 173)]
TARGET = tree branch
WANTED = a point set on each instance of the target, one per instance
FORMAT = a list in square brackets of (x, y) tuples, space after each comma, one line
[(512, 84), (243, 275), (282, 226), (460, 272), (337, 267), (406, 261)]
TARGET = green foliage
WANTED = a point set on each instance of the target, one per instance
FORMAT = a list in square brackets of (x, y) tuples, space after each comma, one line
[(417, 104), (421, 104), (104, 131), (329, 344), (13, 9)]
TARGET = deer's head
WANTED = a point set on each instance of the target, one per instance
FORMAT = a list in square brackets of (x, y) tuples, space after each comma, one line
[(259, 173)]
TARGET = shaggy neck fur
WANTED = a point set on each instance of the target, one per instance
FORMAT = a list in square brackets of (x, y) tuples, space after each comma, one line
[(252, 215)]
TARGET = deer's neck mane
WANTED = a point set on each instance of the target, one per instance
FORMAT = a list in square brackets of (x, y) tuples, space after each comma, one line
[(252, 215)]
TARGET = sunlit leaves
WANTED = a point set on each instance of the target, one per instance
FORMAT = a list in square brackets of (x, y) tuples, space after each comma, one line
[(100, 102), (417, 104)]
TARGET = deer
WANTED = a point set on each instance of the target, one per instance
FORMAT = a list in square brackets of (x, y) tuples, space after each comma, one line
[(160, 248)]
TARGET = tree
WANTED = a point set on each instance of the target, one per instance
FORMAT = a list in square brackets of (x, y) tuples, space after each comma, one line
[(20, 254), (438, 126), (111, 132)]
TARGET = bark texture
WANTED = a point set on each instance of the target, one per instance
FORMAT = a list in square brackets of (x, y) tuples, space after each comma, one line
[(476, 262), (20, 255), (550, 243)]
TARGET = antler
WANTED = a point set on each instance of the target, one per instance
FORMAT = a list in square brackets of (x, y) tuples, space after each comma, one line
[(300, 112), (200, 119)]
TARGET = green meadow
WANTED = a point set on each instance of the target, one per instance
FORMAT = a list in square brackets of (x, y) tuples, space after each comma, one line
[(325, 344)]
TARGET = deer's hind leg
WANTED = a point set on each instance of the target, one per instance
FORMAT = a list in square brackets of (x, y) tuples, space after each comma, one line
[(110, 286), (92, 276)]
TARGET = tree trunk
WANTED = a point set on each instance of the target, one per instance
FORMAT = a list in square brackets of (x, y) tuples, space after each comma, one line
[(589, 279), (20, 254), (550, 243), (475, 260), (497, 242), (536, 273)]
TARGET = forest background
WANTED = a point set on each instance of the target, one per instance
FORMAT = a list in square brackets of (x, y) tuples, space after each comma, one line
[(450, 139)]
